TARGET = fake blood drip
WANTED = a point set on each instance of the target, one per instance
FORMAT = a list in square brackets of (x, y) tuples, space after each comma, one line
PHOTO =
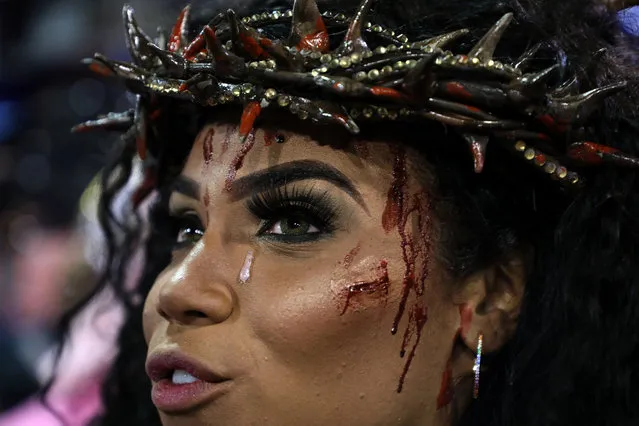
[(348, 259), (396, 214), (445, 396), (238, 161), (226, 142), (207, 147), (379, 286), (269, 137)]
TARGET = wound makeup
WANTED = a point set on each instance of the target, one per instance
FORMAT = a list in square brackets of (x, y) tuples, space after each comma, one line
[(271, 137), (238, 160), (365, 291), (207, 146), (401, 205)]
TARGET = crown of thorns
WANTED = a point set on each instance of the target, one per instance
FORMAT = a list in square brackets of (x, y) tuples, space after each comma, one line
[(232, 61)]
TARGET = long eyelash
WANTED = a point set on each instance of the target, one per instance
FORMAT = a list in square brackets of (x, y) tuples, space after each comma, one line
[(284, 200), (167, 224)]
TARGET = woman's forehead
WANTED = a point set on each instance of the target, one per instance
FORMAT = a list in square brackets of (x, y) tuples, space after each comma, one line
[(219, 146)]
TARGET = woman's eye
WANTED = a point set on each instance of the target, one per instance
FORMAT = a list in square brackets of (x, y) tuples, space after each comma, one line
[(188, 235), (292, 226)]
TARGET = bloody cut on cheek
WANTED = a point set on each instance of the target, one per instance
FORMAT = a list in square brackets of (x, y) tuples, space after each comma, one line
[(376, 288)]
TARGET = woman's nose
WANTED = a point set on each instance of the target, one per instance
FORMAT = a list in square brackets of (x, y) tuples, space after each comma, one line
[(196, 294)]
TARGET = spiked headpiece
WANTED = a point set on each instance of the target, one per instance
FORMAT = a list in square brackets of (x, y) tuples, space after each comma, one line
[(231, 61)]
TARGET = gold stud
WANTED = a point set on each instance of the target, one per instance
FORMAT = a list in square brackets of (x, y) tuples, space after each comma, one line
[(392, 114), (247, 88), (369, 24), (490, 63), (439, 61), (399, 65), (377, 29), (276, 14), (382, 112), (340, 17), (386, 70), (561, 172), (326, 58), (520, 146), (373, 74), (404, 111), (289, 13), (391, 48), (283, 100), (345, 62), (270, 94), (356, 58), (334, 63), (367, 112), (303, 114), (380, 50), (403, 38), (411, 63), (315, 54), (574, 179), (475, 61), (354, 113), (271, 63), (360, 76), (529, 154), (236, 91), (550, 168), (253, 65)]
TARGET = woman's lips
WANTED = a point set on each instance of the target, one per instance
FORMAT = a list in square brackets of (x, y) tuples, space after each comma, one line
[(181, 383)]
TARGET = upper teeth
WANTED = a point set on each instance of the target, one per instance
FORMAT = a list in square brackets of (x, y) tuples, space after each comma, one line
[(181, 377)]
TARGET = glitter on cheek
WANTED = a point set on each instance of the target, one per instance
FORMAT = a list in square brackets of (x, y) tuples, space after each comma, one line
[(245, 272)]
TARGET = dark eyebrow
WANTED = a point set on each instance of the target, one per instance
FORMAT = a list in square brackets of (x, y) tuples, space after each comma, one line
[(186, 186), (294, 171)]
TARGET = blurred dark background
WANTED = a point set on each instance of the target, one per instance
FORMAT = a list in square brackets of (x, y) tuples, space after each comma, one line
[(44, 91)]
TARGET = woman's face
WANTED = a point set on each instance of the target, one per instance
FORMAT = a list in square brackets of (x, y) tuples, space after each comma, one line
[(292, 263)]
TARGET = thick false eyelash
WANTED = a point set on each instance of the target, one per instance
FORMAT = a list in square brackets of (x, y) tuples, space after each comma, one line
[(284, 201), (167, 225)]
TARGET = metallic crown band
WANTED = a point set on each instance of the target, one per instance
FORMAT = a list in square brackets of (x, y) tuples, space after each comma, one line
[(232, 61)]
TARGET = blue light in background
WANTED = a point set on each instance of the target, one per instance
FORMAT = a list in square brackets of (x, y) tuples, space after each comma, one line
[(8, 119), (630, 19)]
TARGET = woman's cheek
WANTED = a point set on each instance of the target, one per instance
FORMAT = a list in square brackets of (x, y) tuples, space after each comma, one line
[(324, 306)]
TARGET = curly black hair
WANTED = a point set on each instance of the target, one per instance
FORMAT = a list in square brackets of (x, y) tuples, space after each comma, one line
[(574, 358)]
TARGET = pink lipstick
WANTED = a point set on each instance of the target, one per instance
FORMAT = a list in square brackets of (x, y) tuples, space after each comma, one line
[(181, 383)]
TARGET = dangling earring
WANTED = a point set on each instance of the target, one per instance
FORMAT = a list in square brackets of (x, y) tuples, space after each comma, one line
[(477, 366)]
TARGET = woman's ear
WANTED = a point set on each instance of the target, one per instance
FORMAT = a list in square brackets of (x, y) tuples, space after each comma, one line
[(490, 302)]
